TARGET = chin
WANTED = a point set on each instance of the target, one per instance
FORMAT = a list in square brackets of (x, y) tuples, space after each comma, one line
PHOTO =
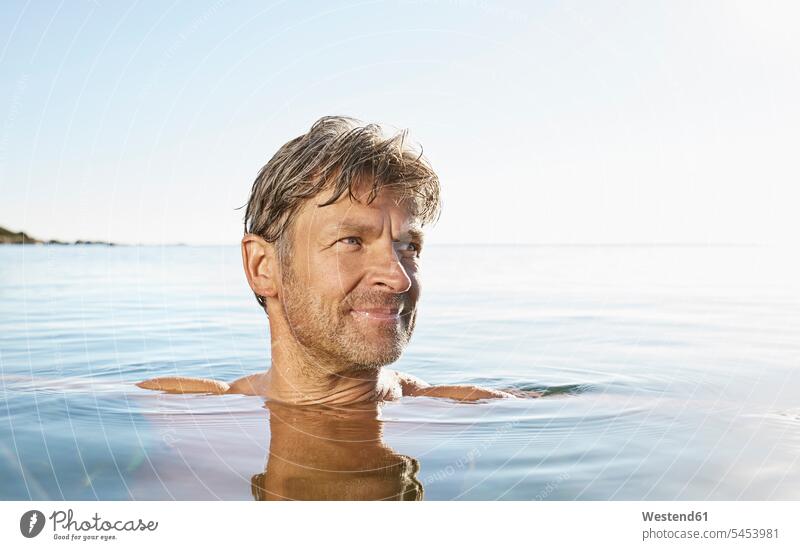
[(372, 349), (378, 358)]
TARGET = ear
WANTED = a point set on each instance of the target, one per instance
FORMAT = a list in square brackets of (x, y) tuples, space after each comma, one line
[(260, 261)]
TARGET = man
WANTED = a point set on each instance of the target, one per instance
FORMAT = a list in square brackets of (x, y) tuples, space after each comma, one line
[(332, 244)]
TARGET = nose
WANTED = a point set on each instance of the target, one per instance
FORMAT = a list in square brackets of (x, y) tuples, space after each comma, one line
[(389, 273)]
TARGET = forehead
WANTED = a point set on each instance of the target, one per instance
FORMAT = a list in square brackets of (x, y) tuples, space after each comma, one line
[(388, 206)]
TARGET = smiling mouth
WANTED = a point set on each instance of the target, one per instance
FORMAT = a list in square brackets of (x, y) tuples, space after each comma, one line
[(377, 313)]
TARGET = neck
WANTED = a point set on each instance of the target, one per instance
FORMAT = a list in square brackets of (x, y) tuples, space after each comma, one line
[(289, 385), (300, 378)]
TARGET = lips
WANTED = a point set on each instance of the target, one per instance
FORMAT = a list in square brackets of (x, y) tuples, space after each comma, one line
[(378, 310), (377, 313)]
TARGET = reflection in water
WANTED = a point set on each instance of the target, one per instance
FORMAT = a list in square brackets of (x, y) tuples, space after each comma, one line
[(326, 453)]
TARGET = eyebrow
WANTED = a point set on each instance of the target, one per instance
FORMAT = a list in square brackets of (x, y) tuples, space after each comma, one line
[(414, 231)]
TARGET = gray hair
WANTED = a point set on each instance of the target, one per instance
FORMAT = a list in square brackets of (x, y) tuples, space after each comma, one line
[(336, 153)]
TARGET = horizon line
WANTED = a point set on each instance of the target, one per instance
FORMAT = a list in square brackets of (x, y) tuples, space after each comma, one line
[(486, 243)]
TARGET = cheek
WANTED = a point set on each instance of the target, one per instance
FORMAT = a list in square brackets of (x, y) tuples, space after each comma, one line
[(336, 276)]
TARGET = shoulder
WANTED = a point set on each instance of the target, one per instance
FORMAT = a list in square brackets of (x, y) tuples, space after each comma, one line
[(253, 384), (410, 384)]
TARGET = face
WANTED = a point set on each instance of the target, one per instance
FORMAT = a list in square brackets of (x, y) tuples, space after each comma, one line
[(350, 289)]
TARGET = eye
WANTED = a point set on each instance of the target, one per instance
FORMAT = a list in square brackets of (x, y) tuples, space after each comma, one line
[(352, 240), (410, 247)]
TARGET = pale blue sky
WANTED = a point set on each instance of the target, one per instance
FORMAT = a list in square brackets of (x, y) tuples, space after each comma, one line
[(566, 122)]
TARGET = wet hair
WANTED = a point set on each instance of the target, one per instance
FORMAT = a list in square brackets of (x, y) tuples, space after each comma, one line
[(337, 153)]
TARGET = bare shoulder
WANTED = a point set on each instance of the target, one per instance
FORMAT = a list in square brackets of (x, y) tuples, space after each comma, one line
[(413, 386), (183, 384), (252, 384), (410, 384)]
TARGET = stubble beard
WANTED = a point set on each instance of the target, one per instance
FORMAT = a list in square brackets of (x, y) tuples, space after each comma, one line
[(334, 338)]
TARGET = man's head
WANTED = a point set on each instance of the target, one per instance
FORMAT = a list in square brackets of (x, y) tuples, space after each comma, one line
[(332, 242)]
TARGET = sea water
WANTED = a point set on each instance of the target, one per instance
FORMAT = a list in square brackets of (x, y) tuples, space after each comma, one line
[(669, 372)]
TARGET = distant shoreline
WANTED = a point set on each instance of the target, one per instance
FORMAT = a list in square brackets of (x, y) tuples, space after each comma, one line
[(20, 237)]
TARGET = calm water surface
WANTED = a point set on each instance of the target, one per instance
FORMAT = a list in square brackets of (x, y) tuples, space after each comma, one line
[(670, 373)]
